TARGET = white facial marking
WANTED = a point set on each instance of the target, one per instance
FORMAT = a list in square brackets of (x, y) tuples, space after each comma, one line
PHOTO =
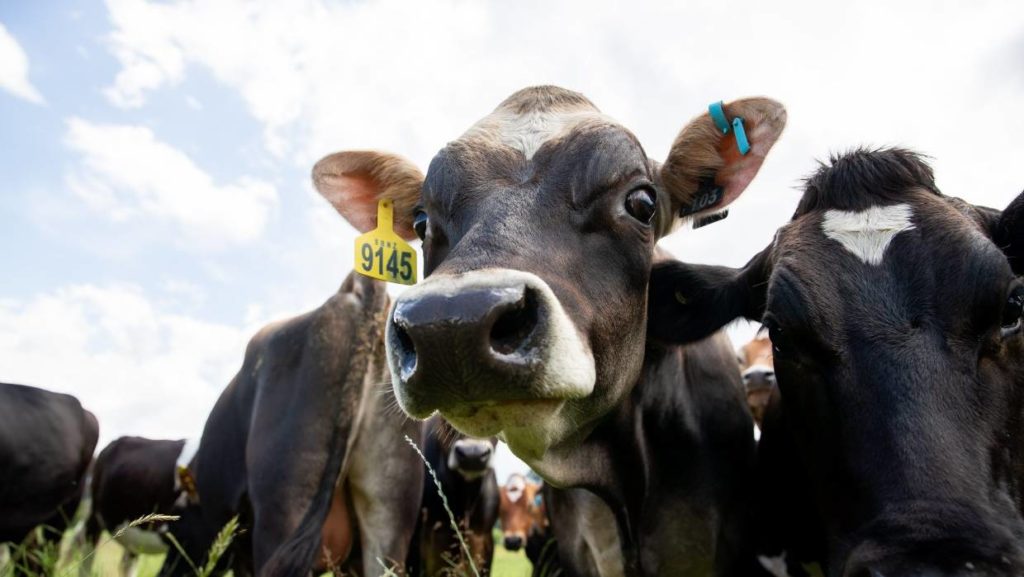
[(528, 131), (774, 565), (515, 488), (868, 233)]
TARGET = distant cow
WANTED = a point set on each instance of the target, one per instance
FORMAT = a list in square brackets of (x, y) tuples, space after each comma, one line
[(758, 372), (896, 316), (133, 477), (46, 444), (463, 467), (539, 227), (306, 447), (523, 516)]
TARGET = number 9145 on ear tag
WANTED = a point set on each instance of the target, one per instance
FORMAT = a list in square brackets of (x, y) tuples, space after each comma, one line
[(382, 254)]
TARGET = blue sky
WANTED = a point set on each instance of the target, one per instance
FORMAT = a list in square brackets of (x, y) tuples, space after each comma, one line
[(156, 202)]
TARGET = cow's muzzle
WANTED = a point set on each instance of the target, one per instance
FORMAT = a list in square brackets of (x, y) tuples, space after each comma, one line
[(479, 339)]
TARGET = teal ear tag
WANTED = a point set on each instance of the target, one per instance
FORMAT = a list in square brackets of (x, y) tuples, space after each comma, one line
[(717, 112)]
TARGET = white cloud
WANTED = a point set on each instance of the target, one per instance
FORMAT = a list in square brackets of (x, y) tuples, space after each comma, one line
[(142, 368), (14, 69), (411, 76), (126, 173)]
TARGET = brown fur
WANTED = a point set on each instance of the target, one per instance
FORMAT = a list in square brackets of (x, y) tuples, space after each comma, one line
[(348, 179), (757, 352)]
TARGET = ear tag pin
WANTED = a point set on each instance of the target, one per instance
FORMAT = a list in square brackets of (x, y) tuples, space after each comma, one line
[(382, 254), (717, 113)]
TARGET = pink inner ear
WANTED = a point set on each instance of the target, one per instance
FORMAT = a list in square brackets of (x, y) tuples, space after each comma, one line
[(354, 196), (739, 170)]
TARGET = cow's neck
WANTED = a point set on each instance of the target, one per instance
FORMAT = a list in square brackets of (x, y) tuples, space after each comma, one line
[(620, 459)]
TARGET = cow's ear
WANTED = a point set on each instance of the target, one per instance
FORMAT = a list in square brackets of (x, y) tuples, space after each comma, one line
[(353, 181), (690, 302), (702, 153), (1009, 234)]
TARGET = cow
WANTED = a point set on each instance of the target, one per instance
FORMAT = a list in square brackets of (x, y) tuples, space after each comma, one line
[(523, 516), (894, 313), (463, 468), (46, 445), (306, 447), (758, 372), (133, 477), (539, 227)]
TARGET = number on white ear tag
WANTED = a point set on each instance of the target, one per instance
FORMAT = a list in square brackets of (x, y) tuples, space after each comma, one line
[(382, 254)]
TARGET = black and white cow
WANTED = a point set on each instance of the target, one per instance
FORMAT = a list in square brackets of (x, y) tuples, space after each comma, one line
[(463, 468), (895, 315), (539, 227), (46, 444), (306, 446), (133, 477)]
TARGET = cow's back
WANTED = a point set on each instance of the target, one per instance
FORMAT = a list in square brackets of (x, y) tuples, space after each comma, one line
[(46, 444)]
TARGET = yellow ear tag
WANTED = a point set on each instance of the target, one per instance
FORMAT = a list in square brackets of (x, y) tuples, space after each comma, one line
[(382, 254)]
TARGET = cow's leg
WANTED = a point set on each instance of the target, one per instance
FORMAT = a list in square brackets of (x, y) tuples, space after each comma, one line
[(386, 480), (85, 541)]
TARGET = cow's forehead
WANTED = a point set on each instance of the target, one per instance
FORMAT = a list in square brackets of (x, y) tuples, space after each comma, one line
[(531, 117)]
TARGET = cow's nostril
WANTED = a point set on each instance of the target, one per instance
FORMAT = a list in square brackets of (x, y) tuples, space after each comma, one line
[(406, 351), (515, 325)]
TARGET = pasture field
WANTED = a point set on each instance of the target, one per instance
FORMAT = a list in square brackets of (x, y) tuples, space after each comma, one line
[(108, 556)]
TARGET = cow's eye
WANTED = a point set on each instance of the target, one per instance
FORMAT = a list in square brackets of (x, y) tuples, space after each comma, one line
[(1012, 312), (419, 223), (641, 204)]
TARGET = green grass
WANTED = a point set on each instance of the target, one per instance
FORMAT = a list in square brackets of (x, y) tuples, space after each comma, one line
[(108, 558), (510, 564)]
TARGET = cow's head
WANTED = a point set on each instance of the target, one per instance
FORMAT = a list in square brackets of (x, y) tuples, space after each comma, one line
[(521, 512), (538, 228), (758, 372), (895, 315)]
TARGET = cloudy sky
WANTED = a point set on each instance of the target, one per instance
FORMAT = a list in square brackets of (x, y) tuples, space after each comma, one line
[(155, 198)]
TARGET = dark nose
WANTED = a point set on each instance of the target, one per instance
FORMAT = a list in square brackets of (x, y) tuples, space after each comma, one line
[(755, 379), (474, 453), (513, 542), (489, 327)]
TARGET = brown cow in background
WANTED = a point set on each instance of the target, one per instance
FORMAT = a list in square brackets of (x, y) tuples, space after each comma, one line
[(523, 516), (758, 370)]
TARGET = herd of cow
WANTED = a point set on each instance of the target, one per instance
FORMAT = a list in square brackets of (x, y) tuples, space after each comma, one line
[(888, 391)]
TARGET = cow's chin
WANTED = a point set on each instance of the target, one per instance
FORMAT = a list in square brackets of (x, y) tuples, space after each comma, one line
[(528, 427)]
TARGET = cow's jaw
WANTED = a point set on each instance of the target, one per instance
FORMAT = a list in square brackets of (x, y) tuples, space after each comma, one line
[(495, 352)]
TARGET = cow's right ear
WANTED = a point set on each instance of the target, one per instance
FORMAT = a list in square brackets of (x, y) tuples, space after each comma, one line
[(354, 181), (690, 302), (703, 154)]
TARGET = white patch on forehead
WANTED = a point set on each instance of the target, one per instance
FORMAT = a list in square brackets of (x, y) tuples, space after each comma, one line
[(868, 233), (528, 131)]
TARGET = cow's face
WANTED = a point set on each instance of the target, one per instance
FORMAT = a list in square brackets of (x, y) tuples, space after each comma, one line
[(895, 316), (470, 458), (538, 228), (520, 513), (758, 370)]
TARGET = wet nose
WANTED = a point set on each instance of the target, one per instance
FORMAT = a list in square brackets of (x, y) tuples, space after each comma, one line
[(490, 325), (473, 453), (758, 378), (513, 542)]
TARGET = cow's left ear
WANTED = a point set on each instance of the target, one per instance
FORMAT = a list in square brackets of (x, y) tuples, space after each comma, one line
[(690, 302), (703, 154), (355, 180), (1009, 234)]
